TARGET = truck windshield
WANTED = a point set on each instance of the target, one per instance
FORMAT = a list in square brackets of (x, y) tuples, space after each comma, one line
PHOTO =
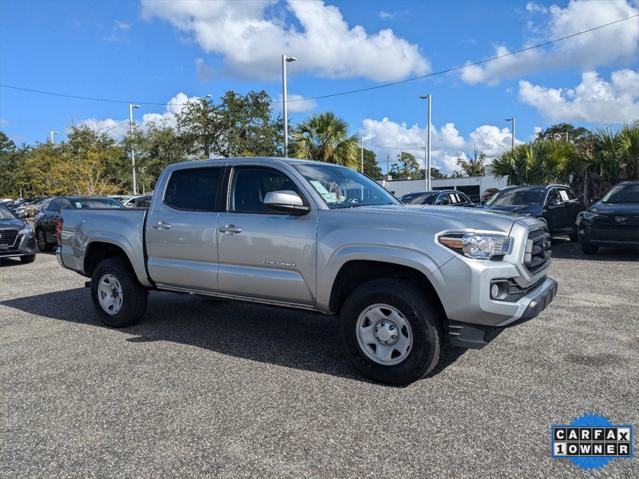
[(342, 187), (622, 194), (518, 196)]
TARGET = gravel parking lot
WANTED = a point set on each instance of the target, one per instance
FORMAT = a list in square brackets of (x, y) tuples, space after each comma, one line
[(220, 389)]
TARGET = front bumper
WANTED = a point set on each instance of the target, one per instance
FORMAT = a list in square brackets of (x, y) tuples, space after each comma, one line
[(25, 245), (605, 234), (476, 336)]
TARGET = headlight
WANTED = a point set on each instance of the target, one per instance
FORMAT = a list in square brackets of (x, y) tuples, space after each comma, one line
[(26, 230), (477, 245), (588, 215)]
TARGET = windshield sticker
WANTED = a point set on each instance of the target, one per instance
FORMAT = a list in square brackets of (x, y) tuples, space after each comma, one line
[(321, 189)]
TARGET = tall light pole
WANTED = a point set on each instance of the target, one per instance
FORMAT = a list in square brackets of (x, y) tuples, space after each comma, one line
[(52, 133), (285, 59), (512, 127), (427, 175), (135, 187)]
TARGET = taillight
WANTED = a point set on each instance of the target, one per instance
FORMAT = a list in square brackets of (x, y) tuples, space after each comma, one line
[(58, 228)]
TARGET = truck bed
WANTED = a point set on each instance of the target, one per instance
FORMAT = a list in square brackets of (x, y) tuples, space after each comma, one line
[(119, 227)]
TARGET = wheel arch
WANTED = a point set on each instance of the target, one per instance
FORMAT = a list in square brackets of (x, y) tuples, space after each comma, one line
[(355, 272), (98, 250)]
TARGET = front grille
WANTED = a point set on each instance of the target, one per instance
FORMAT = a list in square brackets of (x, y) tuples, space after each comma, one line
[(8, 237), (538, 248)]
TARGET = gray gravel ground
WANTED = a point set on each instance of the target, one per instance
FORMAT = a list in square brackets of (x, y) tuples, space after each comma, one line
[(220, 389)]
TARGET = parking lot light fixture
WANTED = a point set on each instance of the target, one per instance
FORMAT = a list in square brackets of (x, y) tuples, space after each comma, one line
[(428, 165), (52, 134), (131, 107), (285, 59), (512, 138)]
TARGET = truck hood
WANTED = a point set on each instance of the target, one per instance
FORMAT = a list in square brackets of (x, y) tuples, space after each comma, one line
[(450, 217)]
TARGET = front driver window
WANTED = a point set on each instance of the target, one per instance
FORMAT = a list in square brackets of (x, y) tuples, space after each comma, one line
[(251, 184)]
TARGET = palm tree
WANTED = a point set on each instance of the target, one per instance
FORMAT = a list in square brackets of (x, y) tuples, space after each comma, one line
[(473, 166), (614, 158), (630, 147), (539, 162), (324, 137)]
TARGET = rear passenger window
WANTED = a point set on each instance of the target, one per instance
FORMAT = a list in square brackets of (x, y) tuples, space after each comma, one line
[(194, 189)]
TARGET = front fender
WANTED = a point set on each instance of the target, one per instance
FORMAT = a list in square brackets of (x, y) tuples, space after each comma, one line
[(411, 258)]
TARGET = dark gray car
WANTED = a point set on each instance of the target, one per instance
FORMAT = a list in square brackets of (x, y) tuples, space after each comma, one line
[(16, 237)]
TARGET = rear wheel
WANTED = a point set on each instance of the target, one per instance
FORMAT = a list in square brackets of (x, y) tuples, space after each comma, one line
[(42, 241), (391, 332), (117, 294), (28, 259)]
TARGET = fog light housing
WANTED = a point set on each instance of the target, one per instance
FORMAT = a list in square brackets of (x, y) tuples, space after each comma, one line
[(499, 289)]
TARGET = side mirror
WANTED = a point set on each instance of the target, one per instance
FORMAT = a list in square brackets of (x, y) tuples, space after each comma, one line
[(286, 201)]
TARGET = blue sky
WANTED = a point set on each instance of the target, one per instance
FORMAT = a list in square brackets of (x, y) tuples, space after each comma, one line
[(152, 50)]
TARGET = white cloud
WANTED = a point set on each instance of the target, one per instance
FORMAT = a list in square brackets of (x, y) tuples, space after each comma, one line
[(613, 44), (120, 25), (251, 36), (593, 100), (386, 15), (535, 7), (387, 137), (298, 104), (3, 122), (118, 128), (204, 72)]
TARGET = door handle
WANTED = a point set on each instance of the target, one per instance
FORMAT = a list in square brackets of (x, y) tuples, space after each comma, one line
[(230, 229), (162, 225)]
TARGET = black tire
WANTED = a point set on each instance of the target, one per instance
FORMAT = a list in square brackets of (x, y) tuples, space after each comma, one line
[(424, 320), (42, 241), (28, 259), (588, 248), (134, 295), (574, 236)]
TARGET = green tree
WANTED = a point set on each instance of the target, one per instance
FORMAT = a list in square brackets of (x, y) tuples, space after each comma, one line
[(614, 158), (84, 164), (406, 167), (565, 132), (472, 166), (156, 146), (246, 126), (10, 158), (371, 168), (199, 124), (324, 137), (539, 162)]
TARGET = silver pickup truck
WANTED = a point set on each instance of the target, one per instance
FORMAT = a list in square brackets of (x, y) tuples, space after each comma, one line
[(404, 281)]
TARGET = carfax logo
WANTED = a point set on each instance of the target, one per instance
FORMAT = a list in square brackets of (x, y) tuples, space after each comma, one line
[(591, 441)]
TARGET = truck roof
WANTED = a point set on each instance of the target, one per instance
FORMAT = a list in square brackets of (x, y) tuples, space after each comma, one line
[(261, 159)]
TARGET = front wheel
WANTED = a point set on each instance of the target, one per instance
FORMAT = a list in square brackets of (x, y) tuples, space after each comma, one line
[(391, 332), (117, 294), (588, 248), (574, 236)]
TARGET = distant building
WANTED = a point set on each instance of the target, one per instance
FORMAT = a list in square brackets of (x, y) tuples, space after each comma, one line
[(473, 186)]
